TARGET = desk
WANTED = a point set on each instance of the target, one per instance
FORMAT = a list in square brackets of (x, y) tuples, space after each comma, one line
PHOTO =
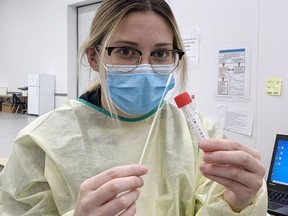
[(3, 98), (9, 100)]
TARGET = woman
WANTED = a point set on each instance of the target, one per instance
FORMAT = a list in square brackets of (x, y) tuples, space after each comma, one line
[(83, 158)]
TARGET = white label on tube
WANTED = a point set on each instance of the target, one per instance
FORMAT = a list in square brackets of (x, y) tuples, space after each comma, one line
[(195, 123)]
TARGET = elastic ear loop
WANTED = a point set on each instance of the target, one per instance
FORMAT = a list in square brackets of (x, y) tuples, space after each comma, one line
[(154, 120), (104, 85)]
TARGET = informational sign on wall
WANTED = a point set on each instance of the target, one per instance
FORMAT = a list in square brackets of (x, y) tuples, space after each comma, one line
[(232, 72), (190, 38), (235, 119)]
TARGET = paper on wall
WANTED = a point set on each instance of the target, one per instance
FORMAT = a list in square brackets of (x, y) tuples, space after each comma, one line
[(238, 120), (190, 38), (274, 86)]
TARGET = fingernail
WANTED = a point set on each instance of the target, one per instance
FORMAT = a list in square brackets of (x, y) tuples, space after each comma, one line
[(143, 168), (137, 192), (204, 143), (202, 167)]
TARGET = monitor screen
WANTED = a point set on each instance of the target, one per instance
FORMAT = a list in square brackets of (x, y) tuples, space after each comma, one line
[(279, 173)]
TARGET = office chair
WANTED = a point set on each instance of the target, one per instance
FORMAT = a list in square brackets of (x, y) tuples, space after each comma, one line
[(17, 104)]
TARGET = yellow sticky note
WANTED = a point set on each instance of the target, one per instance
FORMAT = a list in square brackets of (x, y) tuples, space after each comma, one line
[(274, 86)]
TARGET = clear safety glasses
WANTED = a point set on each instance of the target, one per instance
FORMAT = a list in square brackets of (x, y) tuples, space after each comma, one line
[(159, 59)]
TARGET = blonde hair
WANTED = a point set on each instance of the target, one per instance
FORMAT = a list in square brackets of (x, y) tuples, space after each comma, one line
[(105, 23)]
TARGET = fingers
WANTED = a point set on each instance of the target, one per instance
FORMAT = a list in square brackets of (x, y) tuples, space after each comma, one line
[(227, 145), (231, 158), (115, 172), (234, 186), (235, 158), (110, 189), (236, 194), (131, 210), (237, 167), (126, 202), (111, 192), (232, 177)]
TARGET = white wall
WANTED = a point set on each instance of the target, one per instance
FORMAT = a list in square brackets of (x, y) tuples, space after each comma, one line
[(33, 39), (220, 22), (40, 37)]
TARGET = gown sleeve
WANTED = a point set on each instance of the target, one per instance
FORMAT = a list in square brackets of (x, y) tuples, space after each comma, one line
[(25, 190)]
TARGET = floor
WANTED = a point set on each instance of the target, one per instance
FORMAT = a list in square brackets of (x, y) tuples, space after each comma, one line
[(10, 125)]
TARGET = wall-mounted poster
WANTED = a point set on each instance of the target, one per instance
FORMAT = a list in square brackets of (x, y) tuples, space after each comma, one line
[(232, 72)]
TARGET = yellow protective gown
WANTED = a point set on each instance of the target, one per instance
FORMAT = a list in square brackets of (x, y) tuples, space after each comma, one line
[(59, 150)]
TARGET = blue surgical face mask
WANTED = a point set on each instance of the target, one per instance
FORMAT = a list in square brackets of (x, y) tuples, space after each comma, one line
[(139, 91)]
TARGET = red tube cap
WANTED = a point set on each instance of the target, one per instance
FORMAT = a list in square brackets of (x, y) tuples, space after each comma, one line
[(183, 99)]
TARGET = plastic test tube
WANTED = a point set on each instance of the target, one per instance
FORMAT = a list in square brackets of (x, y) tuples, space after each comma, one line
[(184, 102)]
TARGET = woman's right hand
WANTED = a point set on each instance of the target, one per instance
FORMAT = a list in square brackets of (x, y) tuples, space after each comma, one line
[(111, 192)]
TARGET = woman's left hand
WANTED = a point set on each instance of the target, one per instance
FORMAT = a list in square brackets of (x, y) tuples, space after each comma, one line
[(237, 167)]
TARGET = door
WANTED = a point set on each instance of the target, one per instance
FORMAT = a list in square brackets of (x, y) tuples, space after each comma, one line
[(85, 17)]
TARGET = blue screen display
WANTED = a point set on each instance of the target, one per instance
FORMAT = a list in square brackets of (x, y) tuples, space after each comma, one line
[(279, 173)]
